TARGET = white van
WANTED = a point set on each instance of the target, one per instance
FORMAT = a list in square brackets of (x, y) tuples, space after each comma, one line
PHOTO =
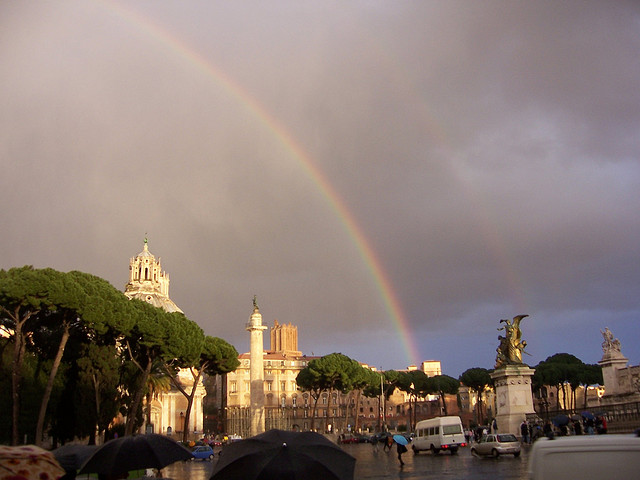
[(585, 457), (440, 433)]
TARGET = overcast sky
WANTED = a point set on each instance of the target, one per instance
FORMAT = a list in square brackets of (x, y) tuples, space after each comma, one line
[(392, 177)]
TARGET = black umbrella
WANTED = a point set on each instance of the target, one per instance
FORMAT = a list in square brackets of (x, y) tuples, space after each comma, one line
[(560, 420), (72, 455), (282, 455), (123, 454)]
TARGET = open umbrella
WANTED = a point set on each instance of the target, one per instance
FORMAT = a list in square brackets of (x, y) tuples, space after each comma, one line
[(401, 439), (28, 462), (123, 454), (282, 455), (560, 420), (73, 455), (588, 415)]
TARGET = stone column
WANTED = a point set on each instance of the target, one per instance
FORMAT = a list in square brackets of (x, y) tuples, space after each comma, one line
[(256, 372), (514, 399)]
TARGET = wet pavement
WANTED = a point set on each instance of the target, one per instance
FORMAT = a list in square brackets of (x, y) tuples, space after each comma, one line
[(372, 464)]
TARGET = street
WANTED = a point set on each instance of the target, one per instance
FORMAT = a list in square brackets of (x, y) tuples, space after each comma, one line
[(372, 464)]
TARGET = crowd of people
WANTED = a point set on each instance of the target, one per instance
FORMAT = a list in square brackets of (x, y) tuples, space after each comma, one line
[(531, 431)]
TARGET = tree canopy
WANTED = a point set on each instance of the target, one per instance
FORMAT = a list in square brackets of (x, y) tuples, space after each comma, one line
[(116, 342), (477, 379), (562, 370)]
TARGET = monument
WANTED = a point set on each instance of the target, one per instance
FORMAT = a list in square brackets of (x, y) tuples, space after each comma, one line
[(256, 372), (621, 382), (512, 379)]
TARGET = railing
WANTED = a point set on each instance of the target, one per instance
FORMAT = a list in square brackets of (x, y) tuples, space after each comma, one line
[(620, 417)]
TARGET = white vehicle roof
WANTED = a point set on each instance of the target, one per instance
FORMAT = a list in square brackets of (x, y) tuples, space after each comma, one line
[(585, 457)]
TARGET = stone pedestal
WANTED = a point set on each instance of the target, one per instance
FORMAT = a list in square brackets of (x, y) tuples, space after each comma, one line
[(514, 399), (612, 363)]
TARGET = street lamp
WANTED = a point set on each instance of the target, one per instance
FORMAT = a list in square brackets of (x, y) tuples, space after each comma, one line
[(384, 414)]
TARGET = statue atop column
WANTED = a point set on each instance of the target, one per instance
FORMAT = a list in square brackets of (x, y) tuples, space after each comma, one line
[(511, 344)]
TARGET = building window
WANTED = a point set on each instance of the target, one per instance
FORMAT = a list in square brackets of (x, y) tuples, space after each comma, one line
[(324, 399), (294, 401), (233, 387), (283, 401), (269, 386), (283, 386), (247, 385)]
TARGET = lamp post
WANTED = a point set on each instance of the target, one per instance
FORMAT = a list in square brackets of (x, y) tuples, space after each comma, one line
[(384, 413)]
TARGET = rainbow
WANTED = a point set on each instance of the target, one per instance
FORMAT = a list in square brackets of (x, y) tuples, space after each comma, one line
[(366, 252)]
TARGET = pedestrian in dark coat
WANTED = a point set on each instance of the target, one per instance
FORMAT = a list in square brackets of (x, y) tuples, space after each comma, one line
[(401, 449)]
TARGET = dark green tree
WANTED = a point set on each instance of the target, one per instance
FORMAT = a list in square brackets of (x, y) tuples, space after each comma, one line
[(442, 385), (24, 294), (415, 383), (215, 357), (98, 388), (333, 372), (477, 379), (562, 370), (155, 336)]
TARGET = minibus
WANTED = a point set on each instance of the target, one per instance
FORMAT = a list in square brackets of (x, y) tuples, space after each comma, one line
[(440, 433)]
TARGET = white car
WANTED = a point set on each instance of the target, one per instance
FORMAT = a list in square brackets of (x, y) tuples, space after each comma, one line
[(496, 445)]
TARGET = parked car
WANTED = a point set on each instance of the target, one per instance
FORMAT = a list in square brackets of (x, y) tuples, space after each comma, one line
[(496, 445), (348, 438), (362, 438), (203, 452)]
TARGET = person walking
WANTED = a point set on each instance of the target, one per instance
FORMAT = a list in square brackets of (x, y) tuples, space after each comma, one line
[(387, 443), (401, 449), (524, 431)]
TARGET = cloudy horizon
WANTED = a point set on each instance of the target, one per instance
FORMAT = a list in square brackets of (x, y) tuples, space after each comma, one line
[(392, 177)]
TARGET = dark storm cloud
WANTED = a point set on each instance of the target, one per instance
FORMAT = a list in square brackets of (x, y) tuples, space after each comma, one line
[(488, 151)]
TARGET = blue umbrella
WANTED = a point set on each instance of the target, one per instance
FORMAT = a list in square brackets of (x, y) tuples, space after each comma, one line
[(400, 439), (588, 415)]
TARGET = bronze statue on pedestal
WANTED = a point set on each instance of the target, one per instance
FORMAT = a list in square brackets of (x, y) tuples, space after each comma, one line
[(511, 344)]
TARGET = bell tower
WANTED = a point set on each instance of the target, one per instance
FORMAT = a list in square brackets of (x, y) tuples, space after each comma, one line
[(148, 282)]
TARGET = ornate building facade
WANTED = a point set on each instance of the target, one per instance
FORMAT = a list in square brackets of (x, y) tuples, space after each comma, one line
[(149, 283)]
